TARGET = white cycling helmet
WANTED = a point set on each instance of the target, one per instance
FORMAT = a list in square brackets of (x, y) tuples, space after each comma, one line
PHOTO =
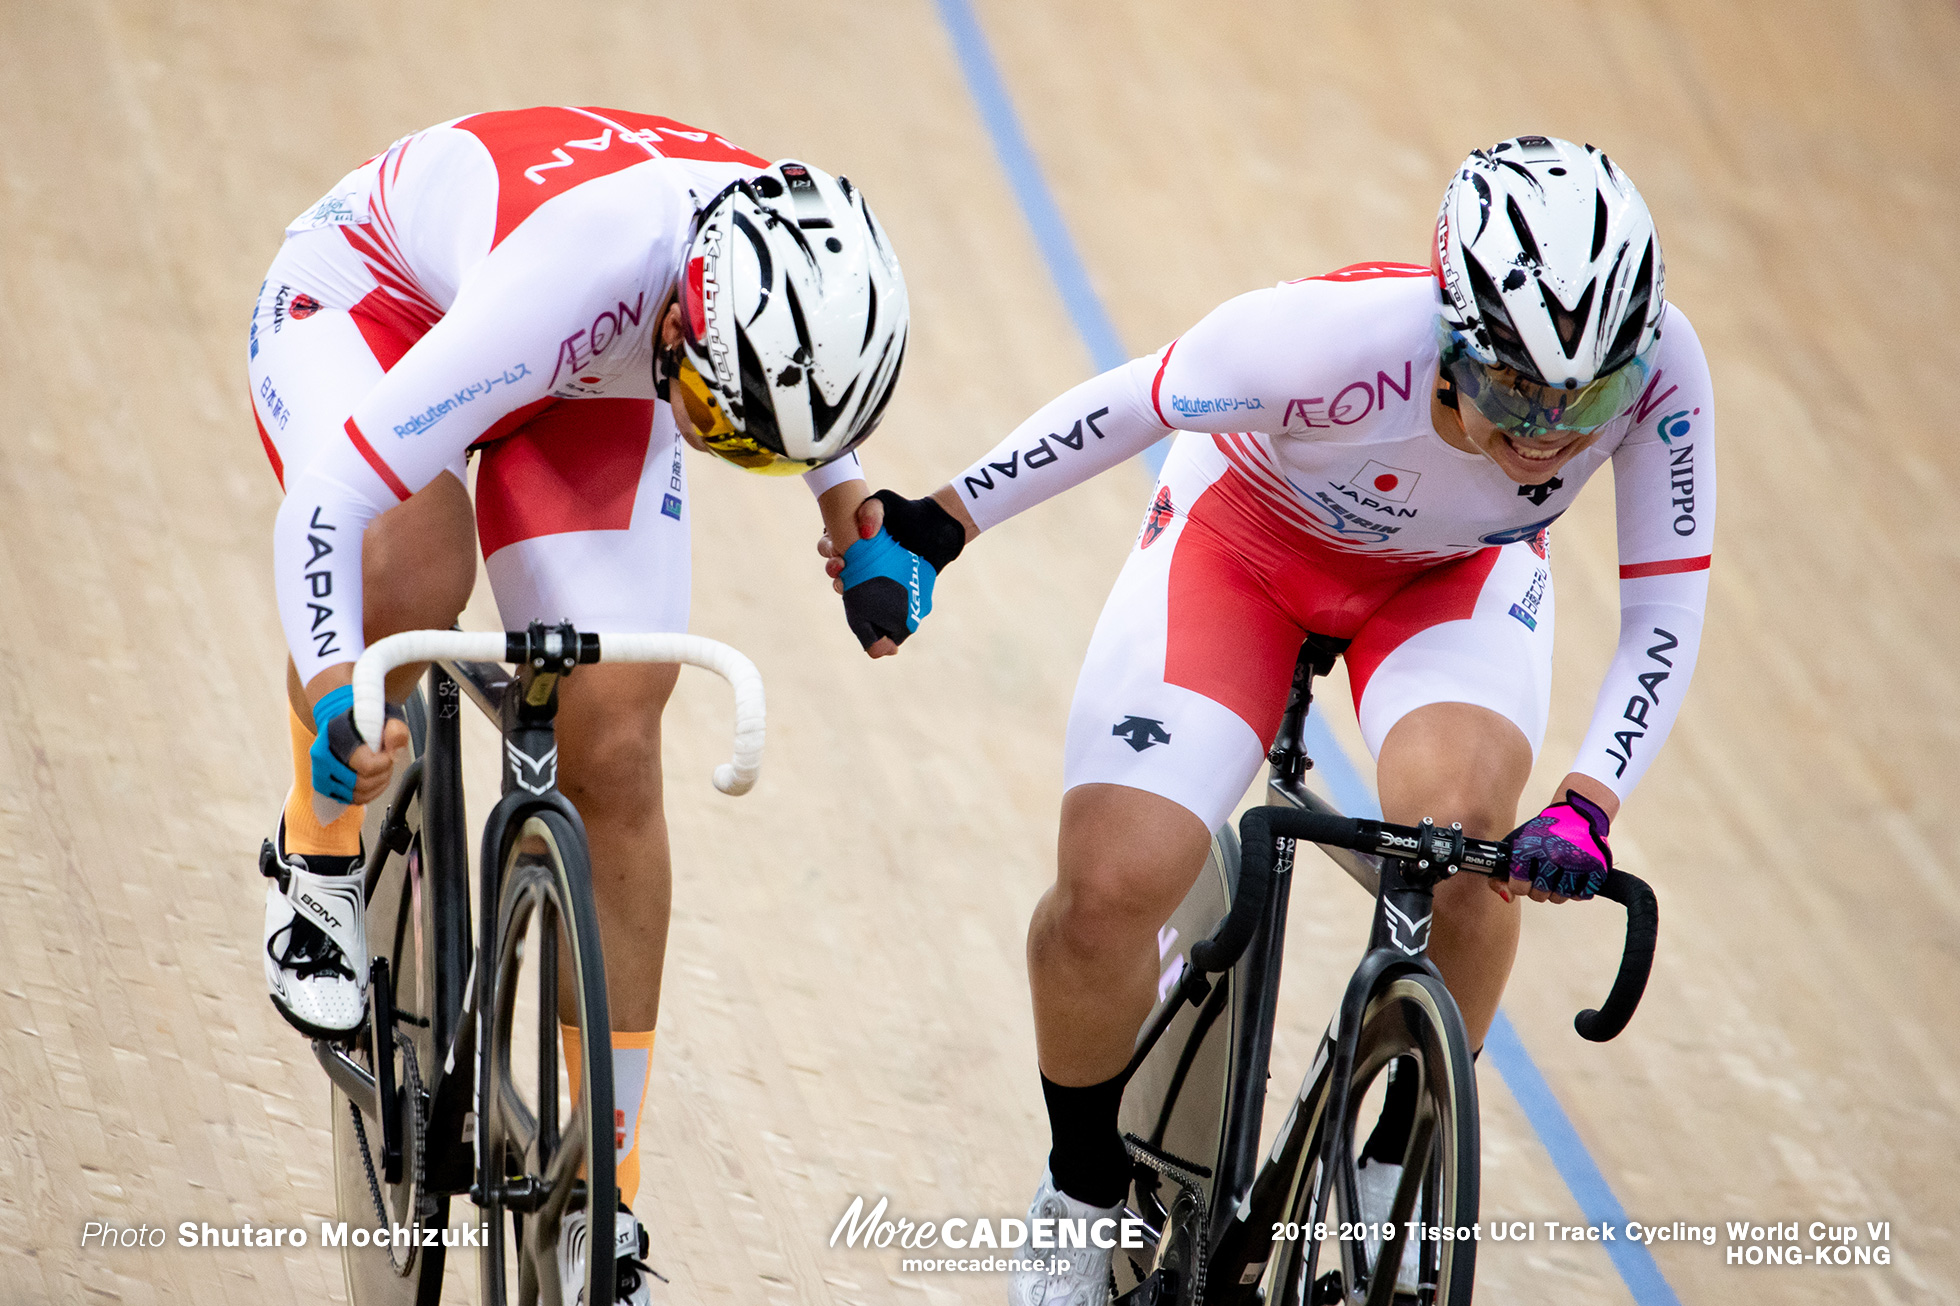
[(795, 320), (1551, 269)]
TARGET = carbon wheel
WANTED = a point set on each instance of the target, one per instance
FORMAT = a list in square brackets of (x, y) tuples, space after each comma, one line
[(1409, 1016), (372, 1195), (547, 1151)]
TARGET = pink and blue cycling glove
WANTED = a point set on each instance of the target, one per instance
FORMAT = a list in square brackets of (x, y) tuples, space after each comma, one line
[(1562, 850)]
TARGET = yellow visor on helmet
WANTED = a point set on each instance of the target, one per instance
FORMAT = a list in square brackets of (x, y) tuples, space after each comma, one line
[(704, 410)]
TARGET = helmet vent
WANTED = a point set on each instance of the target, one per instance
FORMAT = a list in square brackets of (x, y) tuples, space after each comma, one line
[(765, 266), (1569, 323), (870, 317), (1522, 171), (1599, 223), (1627, 342), (1483, 204), (1523, 230), (1505, 341)]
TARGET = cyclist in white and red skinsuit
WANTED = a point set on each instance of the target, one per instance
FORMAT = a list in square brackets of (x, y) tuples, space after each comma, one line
[(532, 285), (1330, 474)]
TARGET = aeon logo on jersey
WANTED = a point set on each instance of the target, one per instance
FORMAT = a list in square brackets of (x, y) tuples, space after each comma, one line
[(1351, 402), (581, 349)]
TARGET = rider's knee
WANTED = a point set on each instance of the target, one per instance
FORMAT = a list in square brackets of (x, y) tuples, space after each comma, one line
[(609, 739), (1110, 902), (1484, 812)]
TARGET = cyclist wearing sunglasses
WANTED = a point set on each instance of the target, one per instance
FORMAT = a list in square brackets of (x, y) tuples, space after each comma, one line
[(571, 293), (1376, 455)]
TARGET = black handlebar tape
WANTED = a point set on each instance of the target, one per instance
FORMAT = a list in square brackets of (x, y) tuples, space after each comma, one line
[(1643, 927), (1257, 830)]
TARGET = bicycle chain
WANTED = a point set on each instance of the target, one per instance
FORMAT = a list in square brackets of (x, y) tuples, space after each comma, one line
[(412, 1084), (1185, 1175)]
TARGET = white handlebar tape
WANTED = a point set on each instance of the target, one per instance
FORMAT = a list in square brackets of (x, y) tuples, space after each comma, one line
[(735, 776)]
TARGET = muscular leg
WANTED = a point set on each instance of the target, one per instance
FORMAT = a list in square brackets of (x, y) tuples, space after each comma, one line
[(1126, 859), (609, 766), (1457, 762)]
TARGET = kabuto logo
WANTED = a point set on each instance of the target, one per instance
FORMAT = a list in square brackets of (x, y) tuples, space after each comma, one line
[(303, 307), (706, 288), (1158, 518), (1452, 284)]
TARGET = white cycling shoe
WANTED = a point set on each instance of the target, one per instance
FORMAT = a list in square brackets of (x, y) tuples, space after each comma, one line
[(315, 942), (1377, 1182), (1087, 1281), (630, 1245)]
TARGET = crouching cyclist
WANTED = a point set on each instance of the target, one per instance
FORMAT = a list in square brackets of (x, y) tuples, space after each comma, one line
[(1376, 455), (574, 294)]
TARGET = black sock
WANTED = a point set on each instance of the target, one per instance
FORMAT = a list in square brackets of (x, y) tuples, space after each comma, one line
[(1390, 1141), (1088, 1160)]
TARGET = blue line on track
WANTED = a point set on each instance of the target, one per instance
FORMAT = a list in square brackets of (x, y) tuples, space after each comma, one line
[(1024, 172), (1350, 791), (1575, 1164)]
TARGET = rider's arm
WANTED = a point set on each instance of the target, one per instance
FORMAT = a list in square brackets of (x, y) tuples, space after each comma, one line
[(1233, 371), (493, 353), (840, 488), (1088, 429), (1664, 477)]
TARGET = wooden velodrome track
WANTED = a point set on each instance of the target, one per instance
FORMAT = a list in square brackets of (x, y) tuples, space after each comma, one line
[(846, 1002)]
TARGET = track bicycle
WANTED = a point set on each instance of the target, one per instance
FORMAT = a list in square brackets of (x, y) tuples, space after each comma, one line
[(1226, 1226), (453, 1085)]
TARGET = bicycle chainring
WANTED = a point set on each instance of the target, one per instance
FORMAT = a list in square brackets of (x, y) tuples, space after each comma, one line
[(425, 1202)]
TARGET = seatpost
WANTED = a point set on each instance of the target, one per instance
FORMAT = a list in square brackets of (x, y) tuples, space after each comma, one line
[(1289, 753)]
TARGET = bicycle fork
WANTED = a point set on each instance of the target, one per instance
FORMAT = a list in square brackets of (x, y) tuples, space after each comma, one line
[(1398, 942)]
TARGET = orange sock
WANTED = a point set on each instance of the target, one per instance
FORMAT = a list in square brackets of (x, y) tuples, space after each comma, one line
[(304, 833), (632, 1059)]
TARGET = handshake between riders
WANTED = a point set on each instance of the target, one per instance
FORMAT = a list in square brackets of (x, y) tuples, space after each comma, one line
[(577, 296)]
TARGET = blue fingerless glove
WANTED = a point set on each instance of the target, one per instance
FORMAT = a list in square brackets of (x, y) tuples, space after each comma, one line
[(334, 741), (1562, 850), (888, 578)]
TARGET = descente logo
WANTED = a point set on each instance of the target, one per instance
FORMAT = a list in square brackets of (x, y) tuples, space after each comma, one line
[(871, 1229)]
